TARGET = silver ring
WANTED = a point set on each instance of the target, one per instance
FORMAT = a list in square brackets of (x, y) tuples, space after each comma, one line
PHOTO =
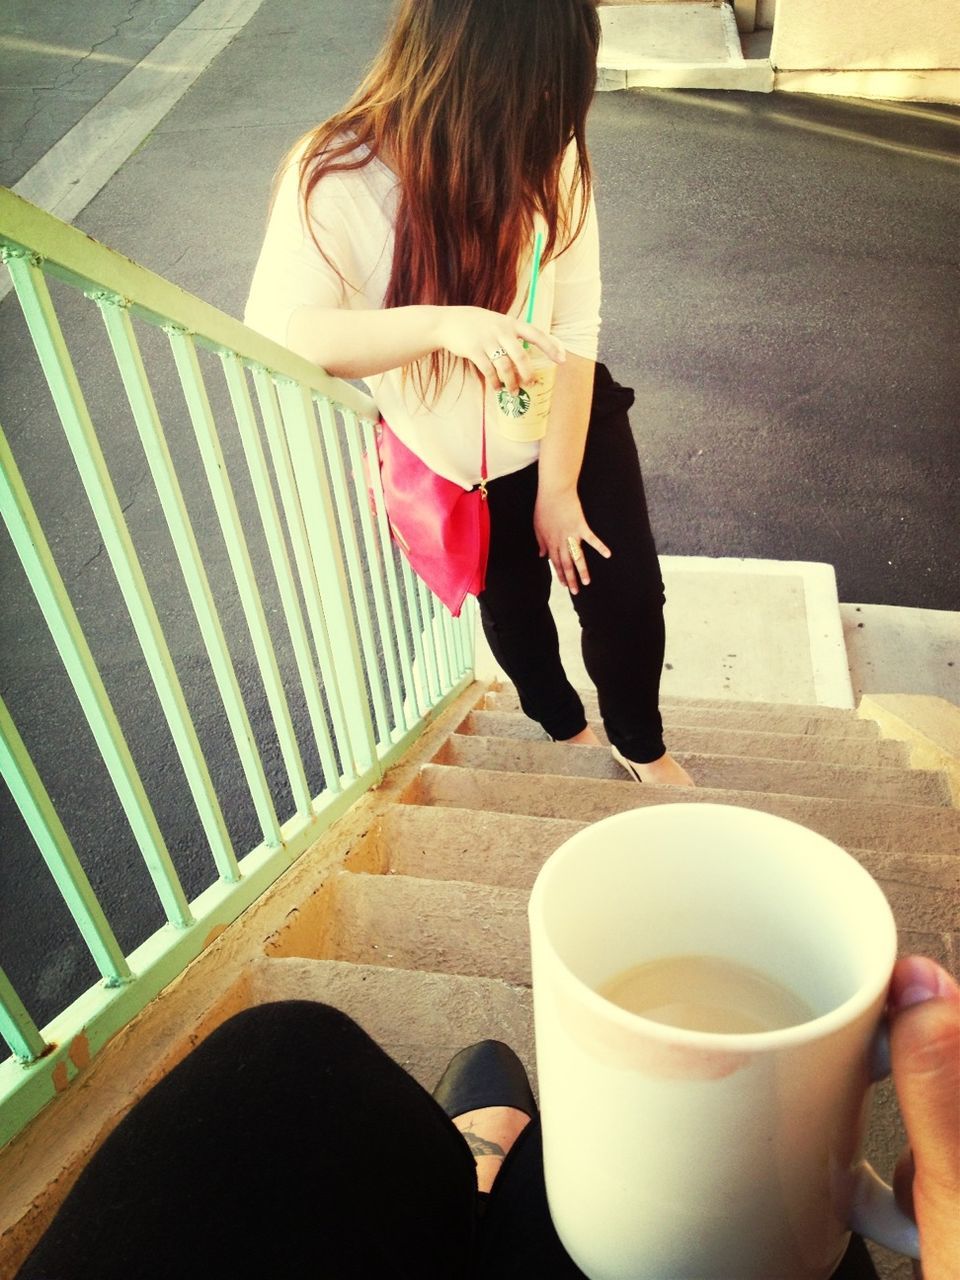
[(573, 546), (497, 355)]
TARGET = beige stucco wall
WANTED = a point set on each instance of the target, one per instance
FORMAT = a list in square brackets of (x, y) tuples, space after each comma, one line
[(866, 34)]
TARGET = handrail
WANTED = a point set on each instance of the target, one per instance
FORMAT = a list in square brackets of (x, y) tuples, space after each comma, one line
[(370, 653), (69, 254)]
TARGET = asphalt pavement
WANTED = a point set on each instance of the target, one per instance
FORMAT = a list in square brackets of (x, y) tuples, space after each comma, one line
[(781, 288)]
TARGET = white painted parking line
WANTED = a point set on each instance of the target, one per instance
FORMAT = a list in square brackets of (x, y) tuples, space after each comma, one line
[(71, 173)]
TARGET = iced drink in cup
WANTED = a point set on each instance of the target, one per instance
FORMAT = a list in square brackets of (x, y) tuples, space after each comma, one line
[(523, 416)]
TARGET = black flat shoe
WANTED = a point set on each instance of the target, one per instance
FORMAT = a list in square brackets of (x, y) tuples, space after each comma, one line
[(486, 1074)]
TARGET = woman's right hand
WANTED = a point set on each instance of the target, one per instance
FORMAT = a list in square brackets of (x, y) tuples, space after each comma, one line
[(477, 335), (924, 1013)]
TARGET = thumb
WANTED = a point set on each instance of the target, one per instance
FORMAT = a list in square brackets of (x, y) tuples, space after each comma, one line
[(924, 1009)]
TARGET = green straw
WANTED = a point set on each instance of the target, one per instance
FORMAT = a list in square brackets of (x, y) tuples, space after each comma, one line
[(534, 277)]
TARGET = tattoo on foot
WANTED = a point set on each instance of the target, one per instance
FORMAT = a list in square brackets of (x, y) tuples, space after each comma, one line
[(482, 1147)]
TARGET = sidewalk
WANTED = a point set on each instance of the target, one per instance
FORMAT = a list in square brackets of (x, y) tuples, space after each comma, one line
[(775, 287)]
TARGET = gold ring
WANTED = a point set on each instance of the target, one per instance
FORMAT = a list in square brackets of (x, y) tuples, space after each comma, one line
[(573, 546)]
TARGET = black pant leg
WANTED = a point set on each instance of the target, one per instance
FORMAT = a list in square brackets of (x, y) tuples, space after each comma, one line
[(515, 609), (288, 1144), (517, 1239), (621, 611)]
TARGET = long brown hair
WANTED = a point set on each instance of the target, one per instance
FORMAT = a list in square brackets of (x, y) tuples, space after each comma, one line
[(473, 104)]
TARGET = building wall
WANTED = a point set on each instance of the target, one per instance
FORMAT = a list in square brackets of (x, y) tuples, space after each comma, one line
[(853, 35)]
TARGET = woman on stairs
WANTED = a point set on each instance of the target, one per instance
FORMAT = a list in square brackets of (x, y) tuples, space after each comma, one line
[(438, 238)]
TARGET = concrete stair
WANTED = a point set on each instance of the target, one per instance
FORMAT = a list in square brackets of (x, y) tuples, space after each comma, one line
[(437, 886), (422, 936)]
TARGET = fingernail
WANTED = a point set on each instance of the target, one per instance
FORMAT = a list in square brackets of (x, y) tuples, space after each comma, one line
[(918, 980), (916, 993)]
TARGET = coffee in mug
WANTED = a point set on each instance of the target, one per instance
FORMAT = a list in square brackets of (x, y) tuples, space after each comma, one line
[(726, 1151), (706, 993)]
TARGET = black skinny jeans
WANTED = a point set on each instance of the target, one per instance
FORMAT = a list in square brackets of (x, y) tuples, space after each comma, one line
[(289, 1146), (621, 611)]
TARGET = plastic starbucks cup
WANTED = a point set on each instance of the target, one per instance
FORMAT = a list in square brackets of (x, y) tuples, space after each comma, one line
[(524, 415)]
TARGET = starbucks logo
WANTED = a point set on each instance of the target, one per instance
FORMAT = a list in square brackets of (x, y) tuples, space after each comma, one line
[(513, 406)]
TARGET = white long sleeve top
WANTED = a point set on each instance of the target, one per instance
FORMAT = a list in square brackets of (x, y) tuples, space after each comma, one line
[(353, 217)]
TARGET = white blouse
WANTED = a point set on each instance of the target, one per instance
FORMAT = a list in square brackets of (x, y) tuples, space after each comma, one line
[(353, 218)]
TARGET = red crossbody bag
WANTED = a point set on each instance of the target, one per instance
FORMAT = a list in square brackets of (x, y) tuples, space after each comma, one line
[(441, 528)]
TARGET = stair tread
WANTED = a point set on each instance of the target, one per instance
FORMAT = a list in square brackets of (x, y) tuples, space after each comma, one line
[(722, 740), (462, 927), (509, 849), (671, 701), (786, 717), (869, 824), (480, 930), (803, 777), (420, 1019)]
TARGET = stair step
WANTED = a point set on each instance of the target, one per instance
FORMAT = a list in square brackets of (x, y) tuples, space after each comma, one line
[(767, 717), (790, 777), (719, 741), (509, 849), (850, 823), (420, 1019), (478, 930), (451, 844)]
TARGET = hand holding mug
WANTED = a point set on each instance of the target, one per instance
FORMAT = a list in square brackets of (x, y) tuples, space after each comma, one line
[(924, 1013)]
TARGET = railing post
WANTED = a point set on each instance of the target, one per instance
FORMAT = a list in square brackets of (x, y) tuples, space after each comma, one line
[(44, 577), (62, 379), (35, 804), (17, 1027), (296, 529), (317, 506), (143, 407)]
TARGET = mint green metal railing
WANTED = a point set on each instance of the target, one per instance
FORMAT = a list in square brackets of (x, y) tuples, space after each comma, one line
[(347, 604)]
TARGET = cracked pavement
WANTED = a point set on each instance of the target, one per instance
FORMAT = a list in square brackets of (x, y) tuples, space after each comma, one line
[(55, 65)]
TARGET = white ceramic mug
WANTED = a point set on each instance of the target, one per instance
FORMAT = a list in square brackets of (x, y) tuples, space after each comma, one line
[(672, 1154)]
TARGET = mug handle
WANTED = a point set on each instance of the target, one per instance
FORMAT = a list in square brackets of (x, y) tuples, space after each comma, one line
[(874, 1211)]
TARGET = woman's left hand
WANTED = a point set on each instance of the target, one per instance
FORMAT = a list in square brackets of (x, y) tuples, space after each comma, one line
[(562, 531)]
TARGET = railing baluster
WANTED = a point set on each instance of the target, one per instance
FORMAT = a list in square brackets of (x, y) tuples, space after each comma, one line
[(430, 638), (348, 540), (243, 568), (62, 379), (449, 624), (402, 620), (17, 1028), (471, 617), (316, 504), (137, 386), (33, 801), (283, 469), (44, 577), (456, 632), (424, 688), (439, 632), (389, 627)]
